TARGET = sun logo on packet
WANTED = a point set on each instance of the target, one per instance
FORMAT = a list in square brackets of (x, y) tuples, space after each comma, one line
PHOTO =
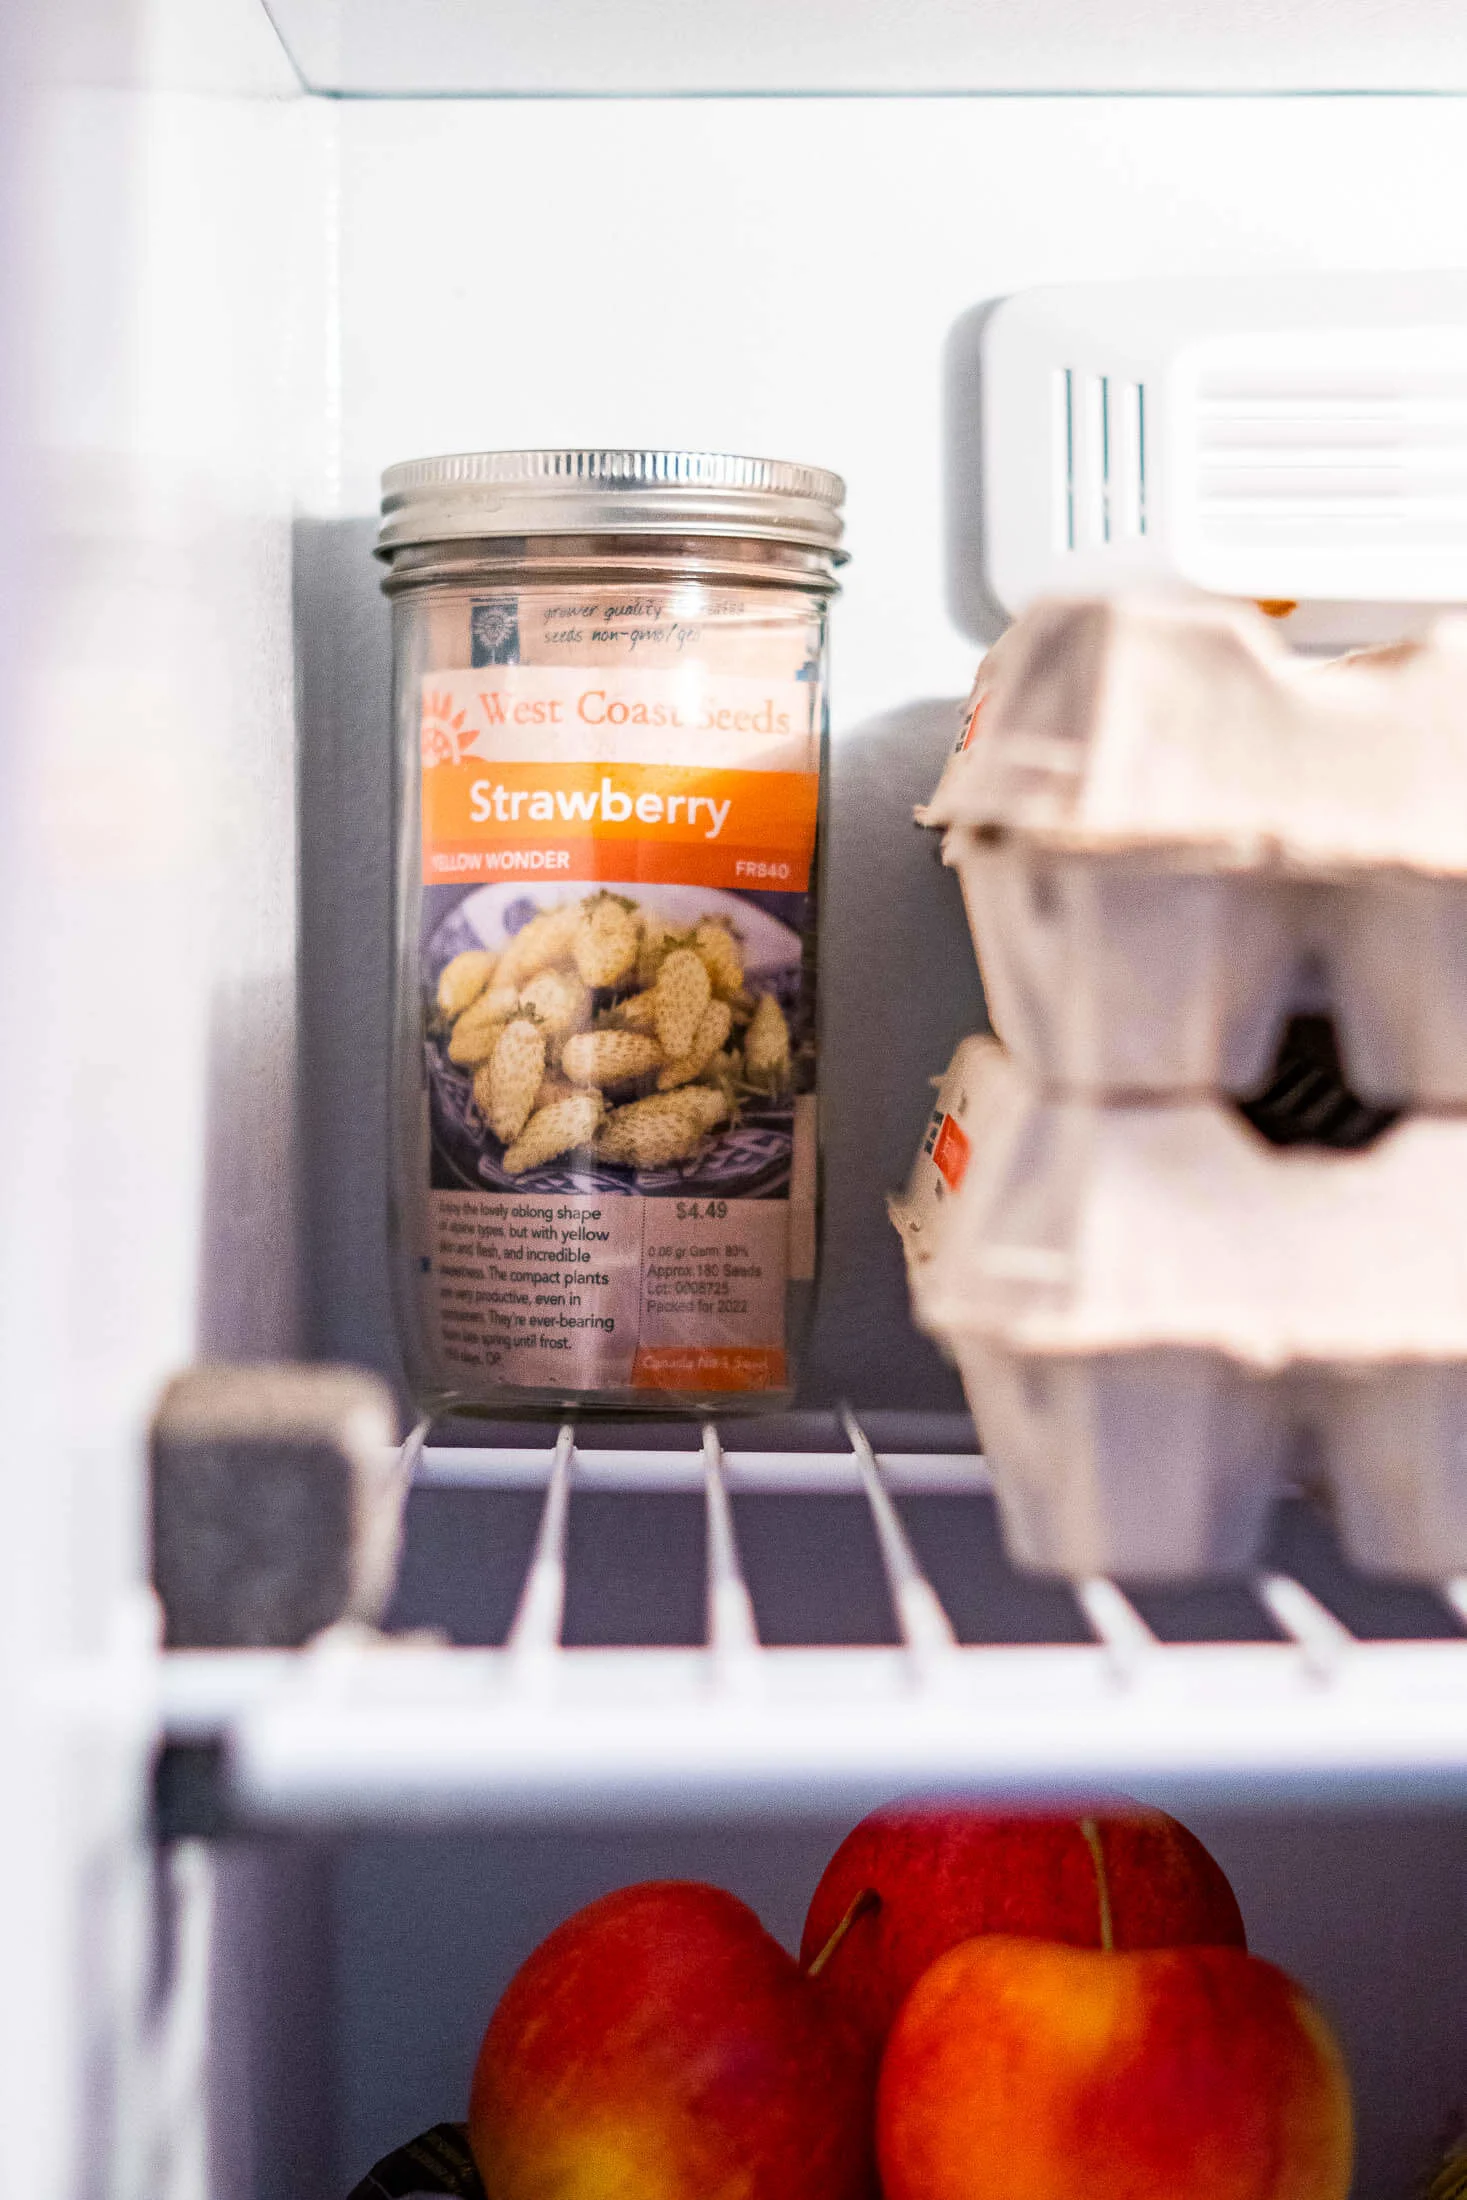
[(445, 731)]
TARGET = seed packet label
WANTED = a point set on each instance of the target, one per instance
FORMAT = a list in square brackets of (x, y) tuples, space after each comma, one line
[(713, 1283), (677, 776), (618, 813), (538, 1290)]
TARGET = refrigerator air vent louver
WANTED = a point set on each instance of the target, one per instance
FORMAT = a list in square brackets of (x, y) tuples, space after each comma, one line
[(1293, 458), (1300, 440), (1100, 429)]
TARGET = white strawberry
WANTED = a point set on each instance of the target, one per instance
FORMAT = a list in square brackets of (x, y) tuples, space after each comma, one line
[(682, 993), (552, 1131), (668, 1127), (713, 1029), (767, 1045), (609, 1057), (462, 980), (513, 1078)]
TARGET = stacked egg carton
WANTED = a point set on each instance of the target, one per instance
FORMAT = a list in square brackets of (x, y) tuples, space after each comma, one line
[(1171, 833)]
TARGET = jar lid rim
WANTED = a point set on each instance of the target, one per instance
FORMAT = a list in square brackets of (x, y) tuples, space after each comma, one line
[(608, 491)]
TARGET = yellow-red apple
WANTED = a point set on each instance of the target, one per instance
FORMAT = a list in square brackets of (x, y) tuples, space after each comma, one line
[(659, 2045), (916, 1879), (1026, 2070)]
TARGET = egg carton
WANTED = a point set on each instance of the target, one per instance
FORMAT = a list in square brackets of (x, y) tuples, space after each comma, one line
[(919, 1213), (1147, 1304), (1171, 834)]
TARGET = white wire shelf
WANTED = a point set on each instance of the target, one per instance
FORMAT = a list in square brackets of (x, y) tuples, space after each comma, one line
[(394, 1731)]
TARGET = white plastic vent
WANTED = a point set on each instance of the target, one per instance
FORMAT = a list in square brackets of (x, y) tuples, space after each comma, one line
[(1100, 468), (1289, 458), (1299, 440)]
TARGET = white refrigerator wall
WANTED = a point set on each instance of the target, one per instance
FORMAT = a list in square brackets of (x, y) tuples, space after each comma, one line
[(173, 387), (803, 278), (458, 46), (166, 319)]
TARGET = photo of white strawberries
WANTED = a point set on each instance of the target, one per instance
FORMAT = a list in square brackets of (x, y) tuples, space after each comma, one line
[(682, 992), (463, 980), (512, 1077), (616, 1032), (560, 1128), (476, 1028), (767, 1045), (650, 1133), (606, 1058), (606, 938), (709, 1040)]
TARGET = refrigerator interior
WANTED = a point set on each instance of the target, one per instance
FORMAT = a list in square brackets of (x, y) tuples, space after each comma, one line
[(255, 266)]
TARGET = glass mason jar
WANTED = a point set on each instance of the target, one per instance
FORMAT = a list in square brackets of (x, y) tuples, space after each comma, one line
[(610, 702)]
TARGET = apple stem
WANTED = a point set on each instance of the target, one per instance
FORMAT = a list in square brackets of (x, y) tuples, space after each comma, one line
[(866, 1901), (1091, 1832)]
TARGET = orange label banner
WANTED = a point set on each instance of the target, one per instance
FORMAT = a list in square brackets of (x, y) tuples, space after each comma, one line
[(709, 1367), (619, 820)]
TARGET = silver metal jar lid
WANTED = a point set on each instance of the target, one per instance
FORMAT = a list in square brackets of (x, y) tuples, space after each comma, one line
[(487, 493)]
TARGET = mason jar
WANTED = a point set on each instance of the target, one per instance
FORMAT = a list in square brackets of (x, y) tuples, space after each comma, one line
[(611, 724)]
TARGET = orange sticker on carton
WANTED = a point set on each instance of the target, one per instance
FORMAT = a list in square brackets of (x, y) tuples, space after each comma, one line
[(672, 775), (952, 1153), (969, 732)]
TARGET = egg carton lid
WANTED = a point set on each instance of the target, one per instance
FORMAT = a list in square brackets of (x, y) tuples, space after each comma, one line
[(1189, 731), (1083, 1228)]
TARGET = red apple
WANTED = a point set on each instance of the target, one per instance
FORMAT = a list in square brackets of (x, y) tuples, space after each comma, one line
[(1025, 2070), (660, 2045), (939, 1873)]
